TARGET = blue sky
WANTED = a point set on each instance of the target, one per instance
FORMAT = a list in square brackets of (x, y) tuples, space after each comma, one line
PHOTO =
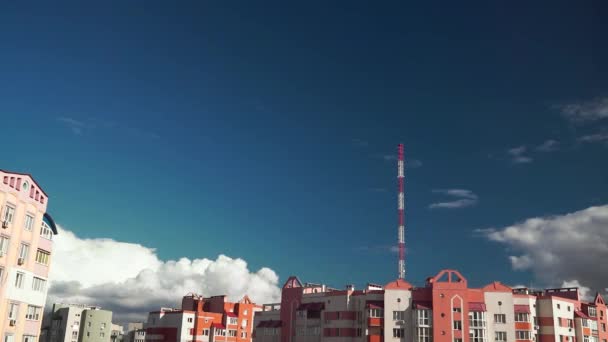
[(267, 132)]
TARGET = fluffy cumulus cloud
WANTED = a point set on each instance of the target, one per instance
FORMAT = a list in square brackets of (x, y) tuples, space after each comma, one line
[(461, 198), (131, 280), (564, 250)]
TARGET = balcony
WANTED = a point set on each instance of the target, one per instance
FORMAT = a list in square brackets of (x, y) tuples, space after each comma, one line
[(375, 321)]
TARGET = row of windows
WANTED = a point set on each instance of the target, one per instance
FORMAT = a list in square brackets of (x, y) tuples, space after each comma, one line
[(26, 338), (309, 331), (42, 256), (270, 331), (8, 216), (32, 313)]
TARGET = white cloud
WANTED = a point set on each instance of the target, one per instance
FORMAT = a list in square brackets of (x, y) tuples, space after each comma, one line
[(560, 249), (131, 280), (75, 125), (549, 145), (517, 155), (594, 138), (589, 111), (464, 198)]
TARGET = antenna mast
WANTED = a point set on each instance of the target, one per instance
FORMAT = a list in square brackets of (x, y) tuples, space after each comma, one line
[(401, 210)]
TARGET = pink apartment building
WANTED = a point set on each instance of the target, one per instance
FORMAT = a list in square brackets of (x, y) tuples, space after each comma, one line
[(26, 247), (444, 310)]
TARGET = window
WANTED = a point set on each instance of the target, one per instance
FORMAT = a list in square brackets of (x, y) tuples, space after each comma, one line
[(457, 325), (523, 335), (477, 319), (500, 318), (423, 334), (570, 323), (592, 311), (9, 338), (604, 327), (477, 335), (103, 326), (75, 334), (88, 334), (376, 313), (245, 312), (29, 222), (9, 213), (33, 312), (89, 324), (19, 280), (1, 273), (38, 284), (4, 241), (558, 306), (205, 332), (522, 317), (457, 309), (584, 322), (102, 334), (45, 231), (500, 336), (244, 323), (29, 338), (398, 315), (424, 317), (243, 334), (359, 332), (13, 310), (399, 333), (568, 307), (190, 319), (24, 251), (232, 333), (232, 320), (42, 257), (457, 340)]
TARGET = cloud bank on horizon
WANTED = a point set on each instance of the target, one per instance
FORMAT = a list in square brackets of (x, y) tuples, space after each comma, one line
[(563, 250), (131, 280)]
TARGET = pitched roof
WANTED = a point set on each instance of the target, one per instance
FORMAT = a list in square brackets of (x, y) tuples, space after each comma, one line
[(29, 175), (476, 306)]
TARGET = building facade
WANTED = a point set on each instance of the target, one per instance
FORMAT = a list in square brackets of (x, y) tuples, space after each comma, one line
[(78, 323), (26, 249), (201, 319), (135, 332), (444, 310)]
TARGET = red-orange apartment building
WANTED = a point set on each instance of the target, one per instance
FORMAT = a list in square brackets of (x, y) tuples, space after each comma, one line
[(201, 319)]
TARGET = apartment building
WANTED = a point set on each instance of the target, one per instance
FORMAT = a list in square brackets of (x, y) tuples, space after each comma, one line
[(212, 319), (444, 310), (26, 249), (77, 323), (135, 332)]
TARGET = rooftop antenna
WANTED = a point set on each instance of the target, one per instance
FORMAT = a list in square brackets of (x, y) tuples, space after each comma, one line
[(401, 210)]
